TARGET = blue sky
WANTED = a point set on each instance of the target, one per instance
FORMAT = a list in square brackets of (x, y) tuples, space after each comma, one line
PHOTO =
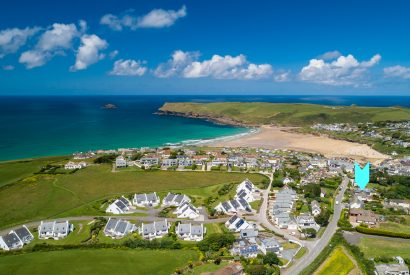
[(205, 47)]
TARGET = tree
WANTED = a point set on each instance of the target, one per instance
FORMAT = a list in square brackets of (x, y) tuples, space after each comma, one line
[(309, 232), (312, 190), (270, 258), (216, 241), (323, 218)]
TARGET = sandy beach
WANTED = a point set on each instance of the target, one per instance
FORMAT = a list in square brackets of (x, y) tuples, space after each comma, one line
[(280, 138)]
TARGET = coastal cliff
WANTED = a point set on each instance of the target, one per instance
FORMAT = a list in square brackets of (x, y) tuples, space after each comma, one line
[(251, 114)]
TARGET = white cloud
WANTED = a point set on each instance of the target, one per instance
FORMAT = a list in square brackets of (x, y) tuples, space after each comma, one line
[(157, 18), (281, 76), (52, 42), (128, 68), (329, 55), (89, 51), (176, 64), (397, 71), (186, 64), (8, 67), (12, 39), (113, 54), (345, 70), (160, 18)]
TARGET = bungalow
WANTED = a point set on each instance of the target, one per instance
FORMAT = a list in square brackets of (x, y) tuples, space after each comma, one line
[(149, 160), (72, 165), (190, 232), (169, 162), (237, 224), (120, 162), (249, 233), (54, 230), (16, 239), (146, 200), (270, 245), (187, 210), (175, 199), (119, 206), (157, 229), (117, 228), (363, 216), (233, 206), (305, 221), (315, 206)]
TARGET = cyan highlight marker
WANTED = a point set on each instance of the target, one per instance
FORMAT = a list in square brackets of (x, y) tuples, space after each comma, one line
[(362, 176)]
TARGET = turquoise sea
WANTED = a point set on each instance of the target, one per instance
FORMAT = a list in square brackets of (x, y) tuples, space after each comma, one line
[(58, 125)]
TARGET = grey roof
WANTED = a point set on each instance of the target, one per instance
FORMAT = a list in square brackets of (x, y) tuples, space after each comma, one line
[(233, 219), (270, 242), (226, 206), (140, 198), (169, 197), (124, 201), (152, 197), (196, 230), (242, 193), (121, 226), (11, 239), (178, 198), (249, 233), (23, 233), (161, 226), (112, 222), (61, 227), (148, 228), (46, 227), (184, 228), (235, 204), (120, 204), (244, 203)]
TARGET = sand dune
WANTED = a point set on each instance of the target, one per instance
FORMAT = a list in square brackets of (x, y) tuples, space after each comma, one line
[(280, 138)]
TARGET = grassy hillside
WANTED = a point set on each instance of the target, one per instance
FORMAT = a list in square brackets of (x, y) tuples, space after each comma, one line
[(101, 261), (257, 113), (44, 196)]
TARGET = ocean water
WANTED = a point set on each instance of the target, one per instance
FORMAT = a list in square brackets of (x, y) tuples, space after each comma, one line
[(57, 125)]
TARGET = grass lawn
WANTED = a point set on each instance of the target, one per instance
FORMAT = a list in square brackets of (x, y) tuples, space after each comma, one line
[(101, 261), (397, 227), (372, 247), (337, 263), (215, 228), (300, 253), (11, 171), (256, 205), (209, 267), (47, 196)]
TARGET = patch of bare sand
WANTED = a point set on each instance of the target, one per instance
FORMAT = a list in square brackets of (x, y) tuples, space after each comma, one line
[(280, 138)]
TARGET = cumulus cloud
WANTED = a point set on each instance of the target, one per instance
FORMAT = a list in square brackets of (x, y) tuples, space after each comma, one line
[(397, 71), (89, 52), (157, 18), (128, 67), (113, 54), (11, 40), (52, 42), (186, 64), (329, 55), (176, 64), (345, 70)]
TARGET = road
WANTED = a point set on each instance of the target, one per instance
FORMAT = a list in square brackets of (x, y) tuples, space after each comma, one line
[(317, 246)]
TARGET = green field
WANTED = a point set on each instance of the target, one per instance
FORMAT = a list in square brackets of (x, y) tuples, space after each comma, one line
[(258, 113), (209, 267), (101, 261), (397, 227), (337, 263), (46, 196), (372, 247)]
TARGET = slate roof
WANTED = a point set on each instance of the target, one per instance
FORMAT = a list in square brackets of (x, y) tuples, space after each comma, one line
[(11, 239)]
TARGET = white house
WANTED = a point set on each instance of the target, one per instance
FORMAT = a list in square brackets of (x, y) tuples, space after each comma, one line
[(306, 221), (270, 245), (190, 232), (54, 230), (175, 199), (117, 228), (187, 210), (120, 162), (16, 239), (315, 206), (72, 165), (237, 224), (144, 200), (154, 230), (245, 190), (119, 206), (169, 162)]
